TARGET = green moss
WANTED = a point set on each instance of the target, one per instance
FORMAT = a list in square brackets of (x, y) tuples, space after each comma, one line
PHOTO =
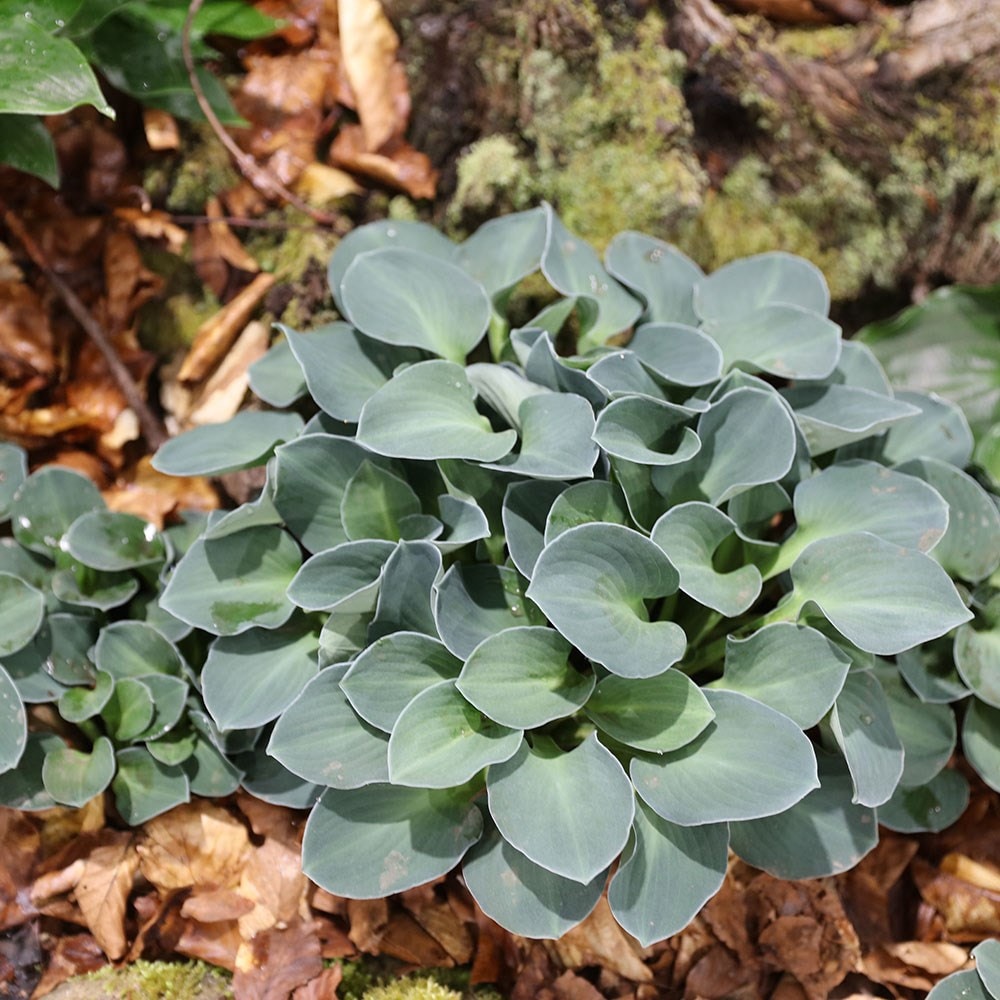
[(203, 170), (492, 176), (413, 989), (163, 981), (169, 323)]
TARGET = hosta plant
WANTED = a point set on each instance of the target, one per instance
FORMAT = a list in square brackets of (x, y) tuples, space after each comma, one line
[(568, 568), (113, 678)]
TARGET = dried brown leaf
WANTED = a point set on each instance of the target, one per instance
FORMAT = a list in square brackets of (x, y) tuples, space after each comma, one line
[(334, 943), (405, 939), (212, 905), (969, 911), (367, 919), (153, 225), (398, 166), (73, 955), (153, 495), (599, 940), (161, 130), (917, 965), (216, 943), (278, 822), (323, 987), (443, 924), (21, 847), (322, 185), (276, 962), (272, 880), (220, 397), (26, 342), (103, 890)]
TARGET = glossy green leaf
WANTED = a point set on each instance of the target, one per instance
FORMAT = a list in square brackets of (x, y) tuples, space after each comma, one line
[(987, 956), (592, 582), (392, 671), (145, 788), (27, 146), (981, 741), (939, 431), (345, 577), (523, 897), (321, 738), (73, 778), (667, 873), (749, 762), (130, 709), (112, 541), (375, 504), (503, 251), (228, 585), (881, 597), (961, 986), (791, 668), (13, 723), (22, 609), (134, 649), (927, 808), (683, 355), (79, 703), (927, 732), (655, 714), (427, 412), (522, 678), (278, 377), (823, 834), (366, 843), (571, 812), (21, 787), (13, 472), (243, 441), (525, 508), (47, 503), (643, 430)]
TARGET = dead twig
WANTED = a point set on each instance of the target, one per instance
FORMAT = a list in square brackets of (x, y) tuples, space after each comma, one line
[(152, 428)]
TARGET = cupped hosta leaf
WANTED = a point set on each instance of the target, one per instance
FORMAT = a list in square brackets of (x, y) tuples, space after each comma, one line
[(678, 353), (13, 472), (791, 668), (659, 272), (144, 787), (406, 591), (754, 510), (392, 671), (503, 251), (228, 585), (592, 581), (47, 503), (653, 713), (240, 443), (174, 747), (525, 508), (464, 521), (473, 602), (406, 298), (250, 679), (977, 654), (987, 956), (277, 377), (22, 609), (169, 696), (881, 597), (427, 412), (584, 503), (64, 643), (343, 367), (26, 669), (440, 740), (522, 678), (823, 834), (365, 843), (939, 431), (21, 787), (831, 416), (109, 540), (343, 636), (321, 738), (84, 587), (265, 778), (930, 672), (523, 897), (209, 773), (345, 577), (927, 808), (133, 649), (375, 503), (130, 709), (537, 354), (927, 732), (623, 373), (643, 430), (79, 703), (961, 986), (981, 741), (689, 534), (571, 812), (13, 723), (750, 761), (862, 726), (970, 548), (73, 778), (748, 284), (668, 872)]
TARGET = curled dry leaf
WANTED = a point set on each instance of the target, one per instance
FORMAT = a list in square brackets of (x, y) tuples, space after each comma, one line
[(26, 345), (323, 987), (273, 882), (21, 848), (367, 919), (215, 943), (161, 130), (276, 962), (73, 955), (406, 940), (219, 398), (103, 890), (917, 965), (153, 225), (267, 820), (212, 905), (599, 940), (398, 165), (970, 911)]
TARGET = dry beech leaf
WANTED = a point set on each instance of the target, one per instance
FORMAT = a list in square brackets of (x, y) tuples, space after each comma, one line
[(153, 225), (73, 955), (406, 940), (978, 873), (103, 891), (128, 283), (57, 883), (267, 820), (969, 911), (26, 345), (161, 130), (600, 941), (917, 965), (215, 943), (220, 397), (322, 185), (277, 961), (213, 905), (442, 923), (272, 880), (570, 986), (399, 166), (323, 987), (21, 847), (367, 919), (334, 943), (153, 495)]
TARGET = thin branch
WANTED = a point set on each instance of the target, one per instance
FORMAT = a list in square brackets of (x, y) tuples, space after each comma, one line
[(262, 179), (150, 424), (238, 222)]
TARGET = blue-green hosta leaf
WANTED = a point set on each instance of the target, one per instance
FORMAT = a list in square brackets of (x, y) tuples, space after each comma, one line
[(523, 897), (228, 585), (823, 834), (584, 503), (503, 388), (392, 671), (13, 723), (681, 354), (930, 672), (84, 587), (145, 788), (320, 738), (277, 377), (111, 541), (375, 503), (860, 369), (133, 649), (503, 251), (831, 416), (643, 430), (525, 508), (406, 591), (242, 442), (343, 636), (554, 316), (970, 548), (573, 268), (79, 703), (440, 740), (791, 668), (343, 367), (65, 641), (753, 511), (208, 772), (267, 779), (592, 581), (13, 472), (472, 602), (862, 726), (21, 787), (623, 373), (169, 696), (47, 503), (659, 272), (977, 654), (406, 298), (73, 778), (256, 513), (667, 873), (981, 741), (987, 956), (655, 714), (749, 762), (345, 577), (26, 668), (427, 412), (966, 985), (365, 843), (881, 597), (22, 609), (927, 808), (744, 286), (940, 431), (537, 353), (378, 236), (689, 534), (571, 812), (464, 522), (522, 678), (250, 679), (130, 709)]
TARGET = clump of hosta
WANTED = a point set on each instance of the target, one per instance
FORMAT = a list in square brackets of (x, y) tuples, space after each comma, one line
[(534, 613), (82, 634)]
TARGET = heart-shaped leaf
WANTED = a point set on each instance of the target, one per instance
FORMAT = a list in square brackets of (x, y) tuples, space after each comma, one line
[(503, 251), (623, 373), (543, 365), (134, 649), (345, 577), (277, 377), (73, 778), (207, 770), (84, 587), (79, 703), (525, 507), (21, 787), (47, 503), (678, 353), (130, 709), (22, 609), (643, 430), (145, 788), (927, 808), (406, 591), (585, 503), (375, 503), (13, 723), (111, 541)]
